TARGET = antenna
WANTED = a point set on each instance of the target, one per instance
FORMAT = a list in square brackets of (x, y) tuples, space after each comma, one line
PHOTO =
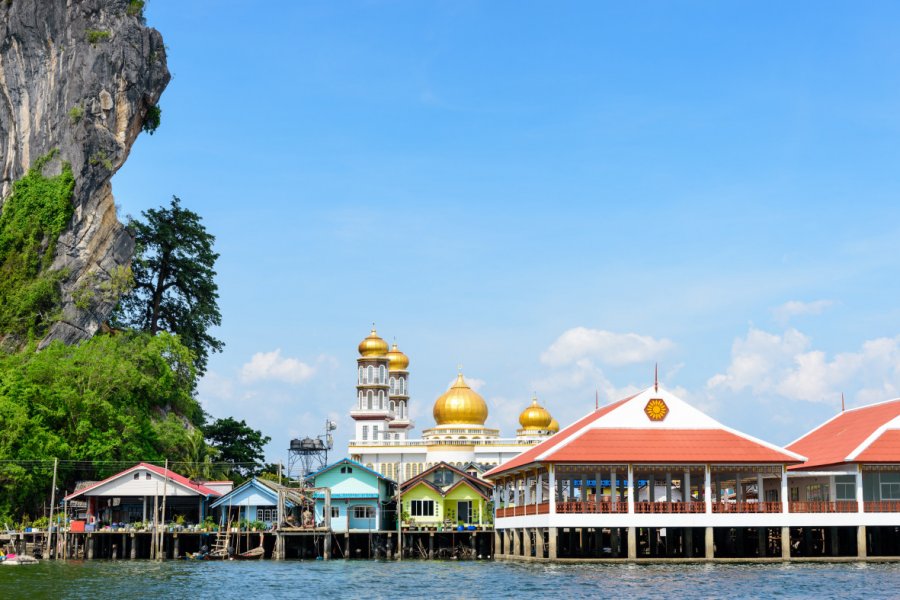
[(656, 378), (597, 400), (842, 401)]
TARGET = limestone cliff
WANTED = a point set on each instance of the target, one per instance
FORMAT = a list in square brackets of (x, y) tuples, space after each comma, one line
[(78, 76)]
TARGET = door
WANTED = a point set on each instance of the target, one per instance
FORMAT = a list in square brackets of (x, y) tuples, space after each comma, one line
[(463, 511)]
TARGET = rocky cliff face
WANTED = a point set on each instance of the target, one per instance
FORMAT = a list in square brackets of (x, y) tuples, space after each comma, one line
[(78, 76)]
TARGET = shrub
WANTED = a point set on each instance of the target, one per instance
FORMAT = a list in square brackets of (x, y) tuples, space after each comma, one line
[(152, 119), (75, 114), (95, 36)]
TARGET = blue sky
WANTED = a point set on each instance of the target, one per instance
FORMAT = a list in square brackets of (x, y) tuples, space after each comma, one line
[(554, 195)]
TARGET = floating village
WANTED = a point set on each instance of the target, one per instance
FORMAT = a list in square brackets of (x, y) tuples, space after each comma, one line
[(646, 478)]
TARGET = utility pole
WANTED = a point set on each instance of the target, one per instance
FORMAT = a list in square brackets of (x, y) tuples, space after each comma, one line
[(400, 512), (52, 502), (162, 539)]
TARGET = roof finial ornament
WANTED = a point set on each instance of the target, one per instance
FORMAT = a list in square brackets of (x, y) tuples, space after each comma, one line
[(373, 326), (459, 368), (656, 378)]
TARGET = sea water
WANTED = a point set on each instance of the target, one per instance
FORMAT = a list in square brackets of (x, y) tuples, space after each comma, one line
[(436, 580)]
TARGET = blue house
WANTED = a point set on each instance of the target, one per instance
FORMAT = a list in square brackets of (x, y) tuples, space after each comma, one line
[(256, 500), (360, 497)]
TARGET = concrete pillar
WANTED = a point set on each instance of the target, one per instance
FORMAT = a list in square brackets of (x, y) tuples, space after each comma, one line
[(551, 544), (632, 543), (526, 542), (176, 547), (861, 550), (539, 542), (710, 543), (89, 543), (835, 541), (133, 554), (278, 554), (786, 543), (515, 542), (430, 545), (498, 549), (689, 541), (326, 553), (761, 537)]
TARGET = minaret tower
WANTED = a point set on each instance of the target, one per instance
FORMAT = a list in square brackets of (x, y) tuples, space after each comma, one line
[(398, 363), (372, 414)]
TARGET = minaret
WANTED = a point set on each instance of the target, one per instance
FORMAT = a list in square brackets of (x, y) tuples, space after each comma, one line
[(372, 413), (398, 363)]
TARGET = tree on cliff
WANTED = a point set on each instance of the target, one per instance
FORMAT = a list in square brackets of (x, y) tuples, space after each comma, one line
[(174, 286)]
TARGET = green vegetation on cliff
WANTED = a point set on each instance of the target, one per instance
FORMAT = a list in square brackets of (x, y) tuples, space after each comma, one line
[(118, 397), (33, 218)]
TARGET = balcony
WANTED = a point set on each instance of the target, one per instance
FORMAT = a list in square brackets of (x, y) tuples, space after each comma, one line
[(879, 506), (520, 511), (746, 507), (669, 507), (824, 506), (592, 507)]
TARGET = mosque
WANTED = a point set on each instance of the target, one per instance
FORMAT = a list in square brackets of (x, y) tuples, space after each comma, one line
[(382, 426)]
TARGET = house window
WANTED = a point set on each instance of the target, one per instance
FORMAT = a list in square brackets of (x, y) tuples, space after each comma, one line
[(443, 476), (365, 432), (146, 475), (422, 508), (845, 487), (335, 512), (363, 512), (890, 486), (266, 514), (137, 475), (374, 432), (795, 494), (347, 469), (817, 492)]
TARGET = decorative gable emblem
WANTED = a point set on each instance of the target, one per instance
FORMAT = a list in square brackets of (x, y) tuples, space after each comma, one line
[(656, 409)]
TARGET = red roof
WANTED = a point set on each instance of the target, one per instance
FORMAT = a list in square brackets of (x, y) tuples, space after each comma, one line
[(161, 471), (530, 455), (667, 446), (884, 449), (832, 442)]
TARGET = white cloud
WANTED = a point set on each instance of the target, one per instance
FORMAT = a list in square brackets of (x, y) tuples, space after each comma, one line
[(796, 308), (786, 366), (606, 346), (271, 366)]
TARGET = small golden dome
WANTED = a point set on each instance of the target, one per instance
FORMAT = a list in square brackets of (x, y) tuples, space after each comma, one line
[(373, 345), (460, 405), (553, 427), (535, 417), (398, 360)]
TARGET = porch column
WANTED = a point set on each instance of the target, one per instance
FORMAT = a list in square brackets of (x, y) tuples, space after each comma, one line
[(599, 489), (860, 504), (651, 487), (784, 491), (571, 487), (630, 499), (668, 486), (551, 488), (707, 490), (613, 489), (710, 543), (539, 489), (144, 518), (686, 487), (516, 491), (760, 492), (526, 490), (738, 487)]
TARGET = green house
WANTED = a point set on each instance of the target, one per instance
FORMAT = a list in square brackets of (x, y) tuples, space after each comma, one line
[(445, 497)]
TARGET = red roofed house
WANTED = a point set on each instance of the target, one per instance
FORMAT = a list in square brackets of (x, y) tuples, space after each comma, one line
[(128, 496), (647, 476), (853, 471)]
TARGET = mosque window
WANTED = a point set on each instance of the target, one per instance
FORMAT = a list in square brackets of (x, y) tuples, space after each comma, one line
[(393, 385), (370, 373), (393, 406), (370, 398), (359, 379), (381, 375)]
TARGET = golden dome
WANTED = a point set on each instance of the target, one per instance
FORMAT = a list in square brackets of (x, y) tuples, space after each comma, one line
[(535, 417), (460, 405), (553, 427), (398, 360), (373, 345)]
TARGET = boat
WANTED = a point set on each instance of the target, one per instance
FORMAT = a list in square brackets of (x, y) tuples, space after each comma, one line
[(16, 559), (254, 554)]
